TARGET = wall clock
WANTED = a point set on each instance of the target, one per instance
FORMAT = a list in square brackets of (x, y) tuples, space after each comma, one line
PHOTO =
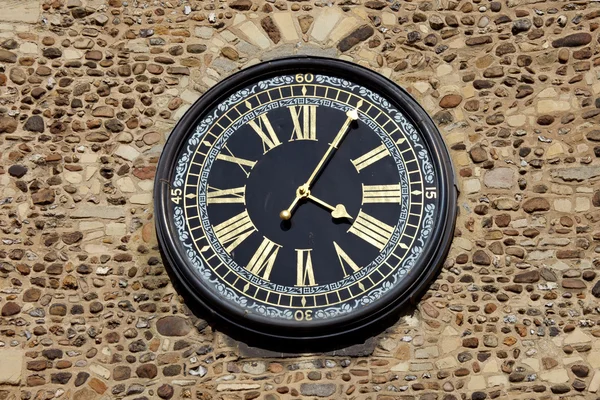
[(304, 198)]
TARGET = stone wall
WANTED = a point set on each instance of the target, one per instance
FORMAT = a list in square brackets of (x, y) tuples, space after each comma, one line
[(90, 89)]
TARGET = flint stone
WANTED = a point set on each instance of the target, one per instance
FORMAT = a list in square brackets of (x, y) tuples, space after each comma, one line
[(269, 26), (32, 295), (196, 48), (572, 283), (18, 76), (478, 40), (173, 326), (11, 308), (81, 378), (241, 5), (165, 391), (375, 4), (596, 290), (72, 237), (43, 197), (593, 136), (103, 112), (7, 56), (8, 125), (18, 171), (480, 257), (574, 40), (536, 204), (52, 354), (478, 154), (52, 52), (521, 25), (505, 48), (527, 277), (359, 35), (148, 371), (61, 378), (450, 100), (34, 124)]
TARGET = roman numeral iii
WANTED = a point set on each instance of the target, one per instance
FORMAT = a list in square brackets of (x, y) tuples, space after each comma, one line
[(305, 128), (269, 138), (263, 260), (381, 193), (371, 230), (234, 231), (305, 275)]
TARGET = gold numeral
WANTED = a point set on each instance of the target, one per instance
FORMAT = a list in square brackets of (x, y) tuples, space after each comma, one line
[(369, 158), (176, 195), (263, 260), (269, 139), (300, 78), (235, 195), (236, 160), (306, 130), (300, 315), (342, 256), (371, 230), (381, 193), (234, 231), (305, 275)]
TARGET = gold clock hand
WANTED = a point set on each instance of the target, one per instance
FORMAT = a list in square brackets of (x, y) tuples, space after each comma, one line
[(287, 213), (352, 116), (300, 194), (339, 211), (304, 190)]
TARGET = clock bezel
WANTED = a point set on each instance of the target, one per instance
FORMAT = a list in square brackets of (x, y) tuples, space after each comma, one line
[(408, 290)]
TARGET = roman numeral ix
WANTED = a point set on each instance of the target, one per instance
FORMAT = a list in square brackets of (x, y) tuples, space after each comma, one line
[(226, 196)]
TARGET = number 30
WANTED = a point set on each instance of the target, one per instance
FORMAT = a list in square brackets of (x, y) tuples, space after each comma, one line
[(300, 315)]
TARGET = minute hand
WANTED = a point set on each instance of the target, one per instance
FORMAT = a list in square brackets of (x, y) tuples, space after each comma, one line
[(352, 116)]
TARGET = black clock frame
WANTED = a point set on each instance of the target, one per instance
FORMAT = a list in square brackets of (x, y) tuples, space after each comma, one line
[(407, 292)]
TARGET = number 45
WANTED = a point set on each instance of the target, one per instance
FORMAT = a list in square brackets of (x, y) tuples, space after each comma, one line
[(176, 195)]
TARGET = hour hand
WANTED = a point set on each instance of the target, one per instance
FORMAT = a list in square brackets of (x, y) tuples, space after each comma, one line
[(337, 212)]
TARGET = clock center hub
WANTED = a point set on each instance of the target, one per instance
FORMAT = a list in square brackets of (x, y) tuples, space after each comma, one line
[(280, 176)]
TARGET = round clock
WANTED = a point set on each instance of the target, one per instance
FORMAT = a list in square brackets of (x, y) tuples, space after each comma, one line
[(304, 198)]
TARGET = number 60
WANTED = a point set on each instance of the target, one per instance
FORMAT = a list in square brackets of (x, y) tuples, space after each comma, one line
[(301, 78)]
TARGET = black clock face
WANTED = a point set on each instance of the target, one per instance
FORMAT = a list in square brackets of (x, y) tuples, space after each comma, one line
[(304, 198)]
